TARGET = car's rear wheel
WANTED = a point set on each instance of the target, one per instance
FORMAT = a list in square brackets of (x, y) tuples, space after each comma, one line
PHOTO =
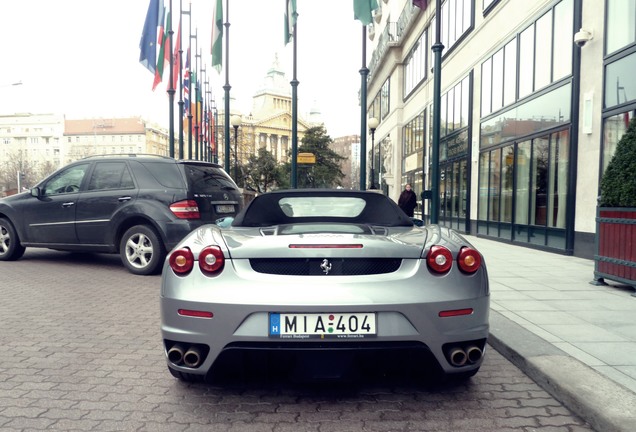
[(10, 247), (186, 377), (141, 250)]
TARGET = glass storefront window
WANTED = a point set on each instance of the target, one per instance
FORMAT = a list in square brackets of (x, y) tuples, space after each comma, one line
[(523, 182), (539, 186), (484, 162), (493, 196), (558, 186), (507, 183)]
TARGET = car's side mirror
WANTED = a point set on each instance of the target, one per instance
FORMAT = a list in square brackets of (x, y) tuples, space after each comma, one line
[(36, 192)]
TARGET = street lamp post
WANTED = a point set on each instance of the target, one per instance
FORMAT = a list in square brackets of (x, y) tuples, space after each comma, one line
[(236, 122), (373, 125)]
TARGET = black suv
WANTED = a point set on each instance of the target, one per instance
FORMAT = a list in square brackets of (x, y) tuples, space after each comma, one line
[(139, 206)]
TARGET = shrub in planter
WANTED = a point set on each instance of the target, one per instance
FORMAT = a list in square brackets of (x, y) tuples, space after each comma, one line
[(618, 184), (615, 256)]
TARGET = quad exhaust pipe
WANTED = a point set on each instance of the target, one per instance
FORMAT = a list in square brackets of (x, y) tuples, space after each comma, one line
[(182, 355), (192, 357), (459, 356)]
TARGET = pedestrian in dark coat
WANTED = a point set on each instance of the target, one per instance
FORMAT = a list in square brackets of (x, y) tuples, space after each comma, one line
[(407, 201)]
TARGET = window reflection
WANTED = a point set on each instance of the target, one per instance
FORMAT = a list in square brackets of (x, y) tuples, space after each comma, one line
[(613, 129), (620, 86), (493, 199), (526, 60), (621, 24), (543, 53), (557, 193), (563, 45), (539, 187), (523, 182), (507, 172), (510, 73)]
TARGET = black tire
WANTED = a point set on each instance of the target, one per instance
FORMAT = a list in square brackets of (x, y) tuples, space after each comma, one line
[(141, 250), (10, 247), (186, 377)]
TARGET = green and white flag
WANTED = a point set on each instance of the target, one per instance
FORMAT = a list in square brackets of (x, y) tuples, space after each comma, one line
[(362, 10), (290, 19), (217, 35)]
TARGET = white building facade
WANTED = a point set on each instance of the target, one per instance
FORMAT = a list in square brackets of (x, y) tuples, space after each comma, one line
[(529, 118)]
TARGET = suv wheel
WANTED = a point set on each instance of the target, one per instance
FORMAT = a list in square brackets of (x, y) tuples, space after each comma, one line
[(141, 250), (10, 247)]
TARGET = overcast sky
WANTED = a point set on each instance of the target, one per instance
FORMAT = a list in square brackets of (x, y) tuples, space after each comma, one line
[(81, 57)]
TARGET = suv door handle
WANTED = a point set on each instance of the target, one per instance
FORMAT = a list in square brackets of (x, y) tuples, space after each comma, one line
[(125, 198), (68, 204)]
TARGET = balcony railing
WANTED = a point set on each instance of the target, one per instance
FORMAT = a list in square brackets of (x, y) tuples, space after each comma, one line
[(392, 34)]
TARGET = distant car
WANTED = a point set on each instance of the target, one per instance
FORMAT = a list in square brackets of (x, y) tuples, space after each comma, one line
[(319, 280), (139, 206)]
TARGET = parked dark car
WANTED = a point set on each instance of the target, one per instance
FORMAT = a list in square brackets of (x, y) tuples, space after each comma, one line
[(139, 206)]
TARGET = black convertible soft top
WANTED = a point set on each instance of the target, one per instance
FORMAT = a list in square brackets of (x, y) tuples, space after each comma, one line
[(321, 205)]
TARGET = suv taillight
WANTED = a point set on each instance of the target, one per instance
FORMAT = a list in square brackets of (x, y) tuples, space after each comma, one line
[(187, 209)]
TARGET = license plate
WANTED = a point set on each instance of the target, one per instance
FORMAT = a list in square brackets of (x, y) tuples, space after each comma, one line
[(334, 325), (224, 208)]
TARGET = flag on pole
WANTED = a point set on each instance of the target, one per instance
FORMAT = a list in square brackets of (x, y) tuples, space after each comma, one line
[(217, 35), (420, 3), (290, 19), (362, 10), (186, 85), (148, 42), (163, 59), (176, 65)]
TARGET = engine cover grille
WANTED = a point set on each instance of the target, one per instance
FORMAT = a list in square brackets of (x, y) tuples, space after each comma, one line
[(325, 266)]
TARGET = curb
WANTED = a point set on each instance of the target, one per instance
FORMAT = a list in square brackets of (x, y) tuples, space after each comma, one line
[(604, 404)]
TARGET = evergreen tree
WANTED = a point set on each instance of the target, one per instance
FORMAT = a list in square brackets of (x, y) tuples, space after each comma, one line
[(618, 185), (325, 173)]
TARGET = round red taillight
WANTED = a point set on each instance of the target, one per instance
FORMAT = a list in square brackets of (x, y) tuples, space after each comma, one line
[(439, 259), (181, 261), (211, 260), (469, 260)]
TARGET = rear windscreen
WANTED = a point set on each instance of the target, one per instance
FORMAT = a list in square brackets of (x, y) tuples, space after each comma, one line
[(167, 174), (205, 179)]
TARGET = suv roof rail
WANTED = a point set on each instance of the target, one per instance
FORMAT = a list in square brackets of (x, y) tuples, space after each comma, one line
[(130, 155)]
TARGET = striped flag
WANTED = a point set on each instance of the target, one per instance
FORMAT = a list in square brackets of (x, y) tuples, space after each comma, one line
[(186, 85)]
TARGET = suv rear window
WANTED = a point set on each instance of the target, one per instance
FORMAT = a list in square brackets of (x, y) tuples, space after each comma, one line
[(204, 179), (167, 174)]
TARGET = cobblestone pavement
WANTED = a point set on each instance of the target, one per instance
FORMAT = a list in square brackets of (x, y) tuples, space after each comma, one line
[(80, 350)]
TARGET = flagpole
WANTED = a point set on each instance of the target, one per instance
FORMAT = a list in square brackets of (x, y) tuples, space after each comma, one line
[(197, 56), (190, 84), (364, 72), (201, 125), (226, 88), (180, 82), (171, 90), (294, 85), (437, 86)]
